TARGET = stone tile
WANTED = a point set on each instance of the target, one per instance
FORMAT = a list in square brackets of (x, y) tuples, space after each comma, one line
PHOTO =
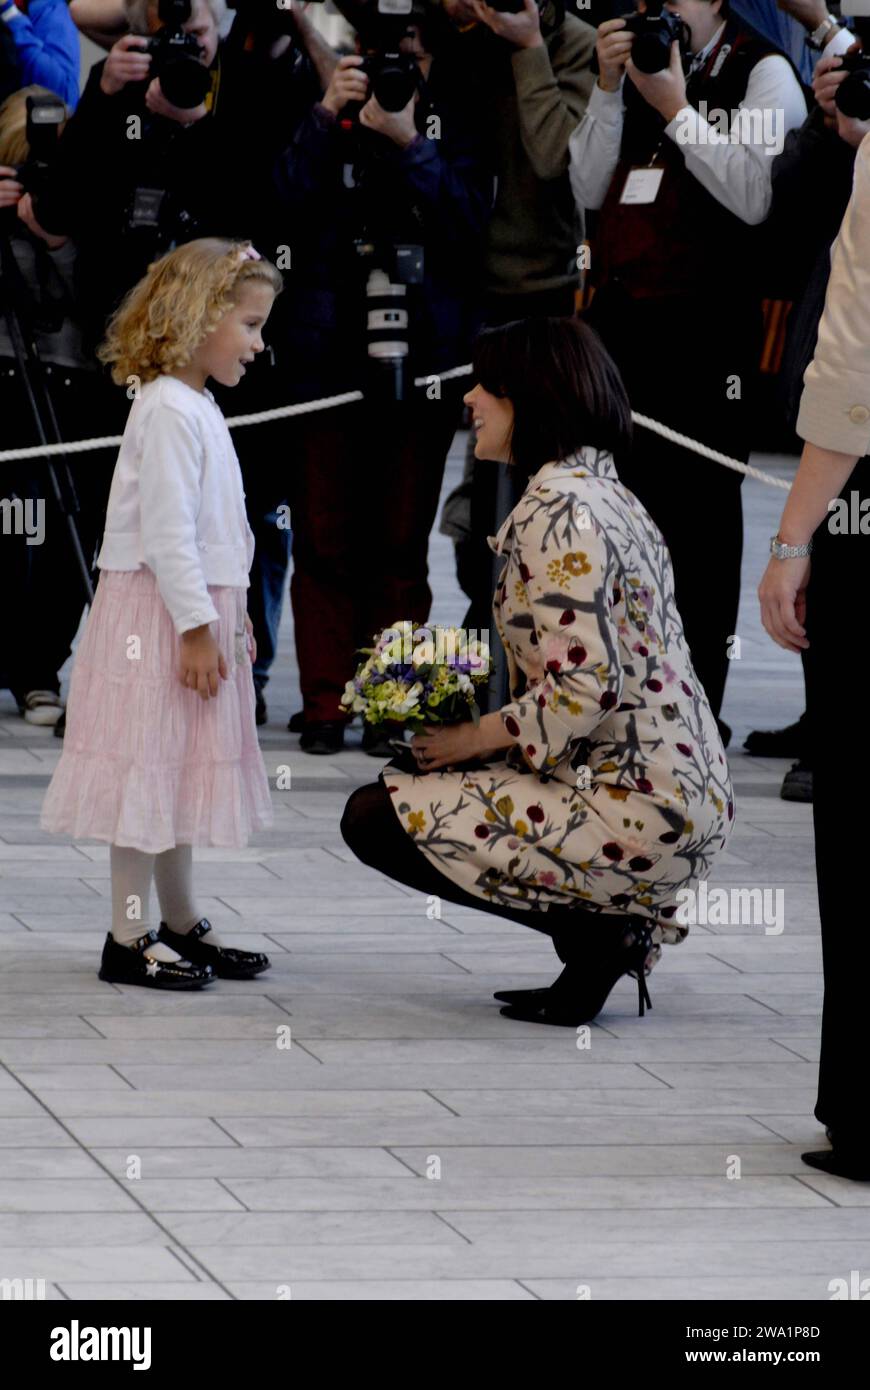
[(157, 1291), (387, 1290)]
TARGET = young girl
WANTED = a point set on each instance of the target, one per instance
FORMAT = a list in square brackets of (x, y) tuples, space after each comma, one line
[(161, 749)]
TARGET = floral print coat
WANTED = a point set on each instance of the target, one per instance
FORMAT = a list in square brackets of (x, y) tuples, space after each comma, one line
[(616, 794)]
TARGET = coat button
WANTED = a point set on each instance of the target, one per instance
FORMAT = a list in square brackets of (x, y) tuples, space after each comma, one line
[(859, 414)]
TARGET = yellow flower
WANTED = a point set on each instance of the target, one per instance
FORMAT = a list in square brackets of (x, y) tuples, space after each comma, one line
[(490, 815), (575, 562), (505, 805), (521, 828), (416, 821)]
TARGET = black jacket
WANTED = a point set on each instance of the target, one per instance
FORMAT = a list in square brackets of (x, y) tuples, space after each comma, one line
[(210, 179), (337, 186)]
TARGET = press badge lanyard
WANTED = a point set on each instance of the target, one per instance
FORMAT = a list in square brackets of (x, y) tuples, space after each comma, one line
[(642, 185)]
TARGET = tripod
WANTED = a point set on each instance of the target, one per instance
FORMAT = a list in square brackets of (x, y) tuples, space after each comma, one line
[(16, 308)]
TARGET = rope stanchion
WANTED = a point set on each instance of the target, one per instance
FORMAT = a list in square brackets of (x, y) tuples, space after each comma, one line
[(706, 452), (285, 412)]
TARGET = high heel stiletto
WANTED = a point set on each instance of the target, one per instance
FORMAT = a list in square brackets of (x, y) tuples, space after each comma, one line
[(582, 989)]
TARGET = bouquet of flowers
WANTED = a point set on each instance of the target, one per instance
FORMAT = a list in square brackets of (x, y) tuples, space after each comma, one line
[(419, 676)]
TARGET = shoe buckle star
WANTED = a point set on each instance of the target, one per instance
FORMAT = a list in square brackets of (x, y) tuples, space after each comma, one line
[(152, 967)]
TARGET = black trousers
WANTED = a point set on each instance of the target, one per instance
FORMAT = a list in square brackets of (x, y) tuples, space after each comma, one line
[(371, 828), (836, 717), (690, 366), (41, 619)]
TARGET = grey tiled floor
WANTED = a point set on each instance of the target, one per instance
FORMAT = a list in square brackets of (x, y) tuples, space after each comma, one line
[(411, 1142)]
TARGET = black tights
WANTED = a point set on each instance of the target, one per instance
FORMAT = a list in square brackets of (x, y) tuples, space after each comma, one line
[(372, 829)]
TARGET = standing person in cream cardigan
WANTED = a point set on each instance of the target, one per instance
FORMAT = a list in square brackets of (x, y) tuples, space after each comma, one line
[(815, 606)]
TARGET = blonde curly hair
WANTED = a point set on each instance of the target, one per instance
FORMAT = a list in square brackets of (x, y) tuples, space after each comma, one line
[(183, 297)]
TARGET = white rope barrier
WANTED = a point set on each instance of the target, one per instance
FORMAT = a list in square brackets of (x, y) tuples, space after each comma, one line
[(285, 412)]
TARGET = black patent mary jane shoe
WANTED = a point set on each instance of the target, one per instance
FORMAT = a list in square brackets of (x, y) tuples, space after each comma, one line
[(133, 965), (226, 962)]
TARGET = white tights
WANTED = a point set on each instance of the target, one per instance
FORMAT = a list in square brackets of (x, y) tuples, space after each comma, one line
[(172, 872)]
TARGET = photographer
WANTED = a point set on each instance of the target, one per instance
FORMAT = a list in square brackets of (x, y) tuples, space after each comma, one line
[(674, 266), (379, 201), (36, 297), (532, 70), (160, 172)]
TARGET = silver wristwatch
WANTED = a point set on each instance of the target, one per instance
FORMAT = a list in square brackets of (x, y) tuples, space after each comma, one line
[(781, 551), (819, 37)]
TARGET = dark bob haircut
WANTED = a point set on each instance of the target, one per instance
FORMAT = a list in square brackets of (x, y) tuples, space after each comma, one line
[(563, 385)]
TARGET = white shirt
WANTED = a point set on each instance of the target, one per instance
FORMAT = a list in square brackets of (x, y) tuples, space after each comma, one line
[(176, 503), (734, 167), (835, 405)]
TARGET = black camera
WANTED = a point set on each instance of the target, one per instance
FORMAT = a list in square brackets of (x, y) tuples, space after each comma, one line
[(175, 57), (853, 95), (393, 77), (552, 12), (654, 32), (45, 116)]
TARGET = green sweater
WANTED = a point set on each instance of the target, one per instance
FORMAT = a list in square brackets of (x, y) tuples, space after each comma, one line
[(537, 100)]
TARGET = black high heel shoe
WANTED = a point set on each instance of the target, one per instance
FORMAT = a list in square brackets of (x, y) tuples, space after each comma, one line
[(582, 989), (226, 962)]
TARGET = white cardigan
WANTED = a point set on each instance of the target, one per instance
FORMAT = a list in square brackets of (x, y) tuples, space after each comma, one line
[(176, 503), (835, 404)]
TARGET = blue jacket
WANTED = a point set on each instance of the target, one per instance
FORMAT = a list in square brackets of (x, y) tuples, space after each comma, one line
[(47, 42)]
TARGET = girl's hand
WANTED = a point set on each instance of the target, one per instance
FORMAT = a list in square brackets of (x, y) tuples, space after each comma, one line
[(783, 596), (202, 661), (252, 641)]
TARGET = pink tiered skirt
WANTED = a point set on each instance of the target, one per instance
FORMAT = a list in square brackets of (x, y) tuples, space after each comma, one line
[(147, 763)]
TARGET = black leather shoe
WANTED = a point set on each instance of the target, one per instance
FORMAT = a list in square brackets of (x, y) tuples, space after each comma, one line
[(581, 990), (797, 784), (322, 737), (226, 962), (60, 727), (296, 722), (841, 1163), (132, 965), (790, 742), (261, 714)]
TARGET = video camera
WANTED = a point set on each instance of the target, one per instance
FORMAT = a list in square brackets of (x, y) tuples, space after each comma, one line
[(175, 57)]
